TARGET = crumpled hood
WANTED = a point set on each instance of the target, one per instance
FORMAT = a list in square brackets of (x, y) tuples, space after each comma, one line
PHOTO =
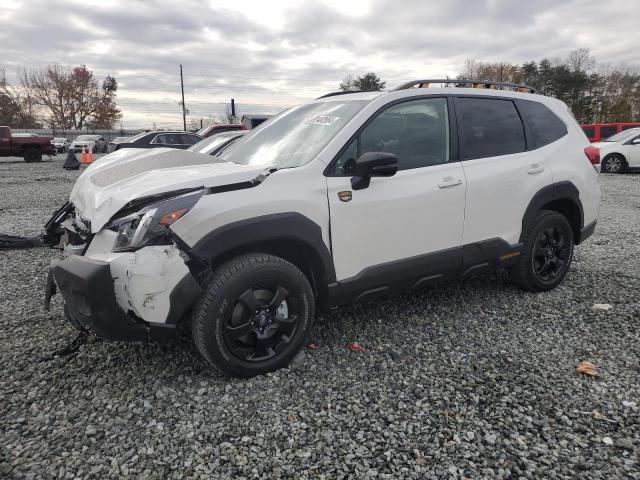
[(127, 174)]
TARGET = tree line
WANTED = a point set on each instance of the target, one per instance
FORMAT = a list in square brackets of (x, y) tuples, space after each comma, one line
[(596, 93), (59, 97)]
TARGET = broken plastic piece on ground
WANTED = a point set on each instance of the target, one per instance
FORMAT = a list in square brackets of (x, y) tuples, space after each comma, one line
[(355, 347), (602, 306), (12, 241), (587, 368), (313, 346)]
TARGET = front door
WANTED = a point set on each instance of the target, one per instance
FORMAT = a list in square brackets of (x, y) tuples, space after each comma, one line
[(408, 225)]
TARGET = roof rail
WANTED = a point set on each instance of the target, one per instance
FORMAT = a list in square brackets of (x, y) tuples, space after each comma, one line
[(518, 87), (343, 92)]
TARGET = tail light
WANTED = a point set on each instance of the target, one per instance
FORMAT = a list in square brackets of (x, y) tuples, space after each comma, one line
[(593, 154)]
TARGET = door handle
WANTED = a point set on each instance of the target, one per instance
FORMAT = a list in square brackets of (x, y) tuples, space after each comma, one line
[(535, 168), (449, 182)]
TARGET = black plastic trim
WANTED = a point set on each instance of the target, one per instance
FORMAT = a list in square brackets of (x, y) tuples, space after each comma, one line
[(586, 232), (424, 270), (278, 226)]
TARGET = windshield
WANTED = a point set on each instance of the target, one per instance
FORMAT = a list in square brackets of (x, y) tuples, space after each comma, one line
[(210, 144), (618, 137), (57, 139), (293, 137)]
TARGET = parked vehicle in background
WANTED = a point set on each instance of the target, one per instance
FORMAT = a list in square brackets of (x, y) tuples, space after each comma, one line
[(159, 139), (24, 135), (620, 151), (94, 143), (597, 132), (115, 141), (249, 244), (206, 132), (31, 147), (252, 121), (217, 143), (61, 144)]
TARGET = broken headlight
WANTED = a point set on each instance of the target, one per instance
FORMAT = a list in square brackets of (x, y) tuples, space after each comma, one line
[(150, 225)]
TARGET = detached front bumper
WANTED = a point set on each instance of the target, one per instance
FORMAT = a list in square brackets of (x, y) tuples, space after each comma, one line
[(88, 286)]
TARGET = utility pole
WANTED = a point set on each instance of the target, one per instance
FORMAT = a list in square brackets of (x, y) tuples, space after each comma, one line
[(184, 109), (233, 110)]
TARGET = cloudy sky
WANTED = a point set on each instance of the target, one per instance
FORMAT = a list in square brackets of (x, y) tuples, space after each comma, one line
[(269, 54)]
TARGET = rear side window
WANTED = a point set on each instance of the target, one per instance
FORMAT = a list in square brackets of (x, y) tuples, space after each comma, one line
[(545, 125), (627, 127), (590, 132), (4, 133), (606, 132), (488, 128)]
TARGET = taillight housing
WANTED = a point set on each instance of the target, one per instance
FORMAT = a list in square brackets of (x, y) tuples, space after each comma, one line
[(593, 154)]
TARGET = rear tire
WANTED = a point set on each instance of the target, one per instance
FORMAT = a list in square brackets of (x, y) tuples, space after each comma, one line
[(546, 255), (32, 155), (253, 316), (614, 163)]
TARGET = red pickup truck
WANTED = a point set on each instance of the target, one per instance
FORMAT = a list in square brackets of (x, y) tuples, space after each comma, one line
[(31, 148)]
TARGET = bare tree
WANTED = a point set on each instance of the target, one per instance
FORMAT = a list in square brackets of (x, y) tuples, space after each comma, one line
[(18, 106), (72, 98)]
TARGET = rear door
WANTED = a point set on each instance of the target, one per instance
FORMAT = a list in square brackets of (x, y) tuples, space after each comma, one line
[(385, 232), (502, 176)]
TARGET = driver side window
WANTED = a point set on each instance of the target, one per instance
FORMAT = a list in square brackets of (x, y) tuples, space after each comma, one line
[(416, 131)]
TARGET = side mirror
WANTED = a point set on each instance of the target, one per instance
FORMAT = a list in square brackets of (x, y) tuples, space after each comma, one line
[(373, 164)]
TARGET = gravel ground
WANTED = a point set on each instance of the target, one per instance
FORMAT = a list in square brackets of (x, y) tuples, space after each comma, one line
[(465, 380)]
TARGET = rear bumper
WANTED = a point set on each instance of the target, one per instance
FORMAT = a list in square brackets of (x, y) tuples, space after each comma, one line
[(88, 290)]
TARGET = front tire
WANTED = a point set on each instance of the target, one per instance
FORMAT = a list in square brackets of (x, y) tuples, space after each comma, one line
[(614, 163), (546, 255), (253, 316)]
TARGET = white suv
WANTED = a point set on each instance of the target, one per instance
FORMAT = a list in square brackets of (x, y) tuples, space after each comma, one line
[(334, 201)]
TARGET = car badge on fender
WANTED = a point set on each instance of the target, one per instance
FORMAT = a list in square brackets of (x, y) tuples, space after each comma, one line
[(345, 196)]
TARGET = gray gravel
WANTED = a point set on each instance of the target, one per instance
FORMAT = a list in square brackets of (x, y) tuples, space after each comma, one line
[(465, 380)]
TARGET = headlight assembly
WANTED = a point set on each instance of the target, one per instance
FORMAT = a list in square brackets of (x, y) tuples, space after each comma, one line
[(150, 225)]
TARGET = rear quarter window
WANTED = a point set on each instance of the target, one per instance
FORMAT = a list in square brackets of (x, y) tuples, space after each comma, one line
[(545, 125)]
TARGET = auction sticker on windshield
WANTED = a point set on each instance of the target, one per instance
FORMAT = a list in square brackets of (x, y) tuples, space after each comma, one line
[(322, 120)]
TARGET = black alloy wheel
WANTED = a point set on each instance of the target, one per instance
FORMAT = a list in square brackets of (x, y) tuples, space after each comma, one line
[(254, 314), (547, 251), (550, 254), (262, 323)]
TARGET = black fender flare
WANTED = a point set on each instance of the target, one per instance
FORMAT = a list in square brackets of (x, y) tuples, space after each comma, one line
[(264, 228), (556, 191)]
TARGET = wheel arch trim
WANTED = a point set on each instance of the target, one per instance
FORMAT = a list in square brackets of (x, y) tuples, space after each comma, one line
[(560, 191), (286, 226)]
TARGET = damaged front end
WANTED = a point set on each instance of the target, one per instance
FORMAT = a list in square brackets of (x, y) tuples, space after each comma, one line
[(128, 281)]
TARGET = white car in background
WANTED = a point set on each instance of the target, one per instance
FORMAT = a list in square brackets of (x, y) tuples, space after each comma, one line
[(61, 144), (112, 144), (621, 151), (94, 143)]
